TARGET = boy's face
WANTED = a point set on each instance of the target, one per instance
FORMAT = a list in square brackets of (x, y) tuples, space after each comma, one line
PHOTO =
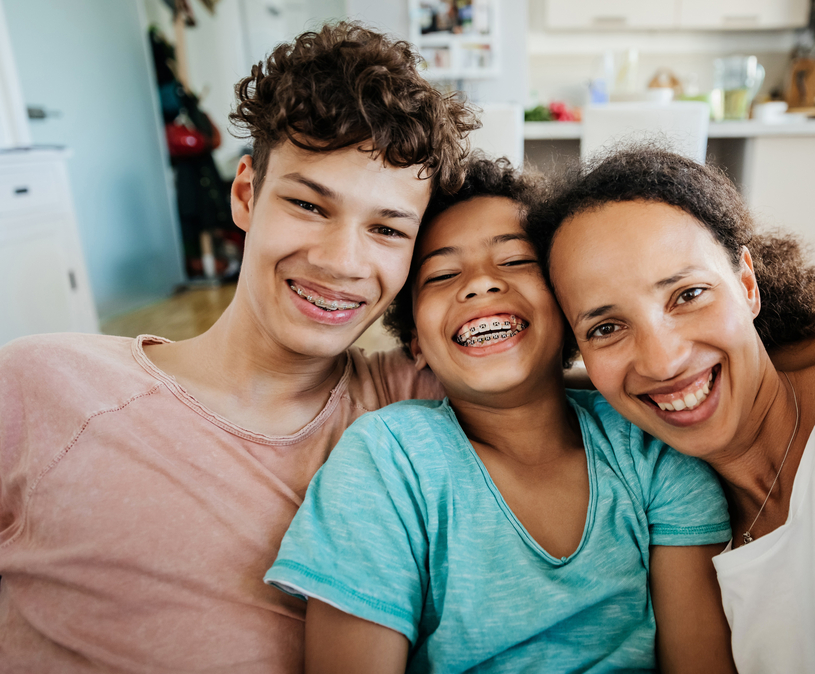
[(486, 323), (329, 241)]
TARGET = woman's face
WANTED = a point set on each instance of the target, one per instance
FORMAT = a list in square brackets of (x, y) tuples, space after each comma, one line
[(663, 321), (486, 323)]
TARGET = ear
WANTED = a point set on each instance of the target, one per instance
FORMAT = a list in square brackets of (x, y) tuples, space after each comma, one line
[(243, 193), (416, 352), (747, 276)]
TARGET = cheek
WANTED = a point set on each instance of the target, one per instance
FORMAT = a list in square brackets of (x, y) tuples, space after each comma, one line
[(605, 372)]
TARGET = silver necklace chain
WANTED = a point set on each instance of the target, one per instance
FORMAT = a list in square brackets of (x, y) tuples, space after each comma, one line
[(746, 535)]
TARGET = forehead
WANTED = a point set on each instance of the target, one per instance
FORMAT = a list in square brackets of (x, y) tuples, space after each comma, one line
[(632, 238), (471, 223), (350, 169)]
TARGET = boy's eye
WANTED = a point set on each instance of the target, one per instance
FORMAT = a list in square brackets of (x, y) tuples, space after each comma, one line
[(689, 295), (604, 330), (305, 205), (515, 263), (389, 232)]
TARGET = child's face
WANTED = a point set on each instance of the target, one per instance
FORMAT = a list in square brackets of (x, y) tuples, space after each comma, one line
[(329, 243), (485, 321)]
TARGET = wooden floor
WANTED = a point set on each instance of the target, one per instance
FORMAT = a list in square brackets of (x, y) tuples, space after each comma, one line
[(192, 312)]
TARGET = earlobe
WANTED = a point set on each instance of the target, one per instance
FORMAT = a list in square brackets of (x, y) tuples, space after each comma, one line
[(243, 193), (748, 280), (416, 351)]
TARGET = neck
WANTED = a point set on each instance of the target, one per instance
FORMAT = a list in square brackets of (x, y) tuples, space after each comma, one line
[(763, 457), (531, 430), (239, 371)]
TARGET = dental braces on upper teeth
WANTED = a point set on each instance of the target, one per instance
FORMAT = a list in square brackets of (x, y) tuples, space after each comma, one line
[(472, 336), (691, 400), (327, 305)]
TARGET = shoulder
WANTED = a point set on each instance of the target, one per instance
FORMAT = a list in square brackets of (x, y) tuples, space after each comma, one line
[(76, 371), (385, 377), (408, 418), (603, 422)]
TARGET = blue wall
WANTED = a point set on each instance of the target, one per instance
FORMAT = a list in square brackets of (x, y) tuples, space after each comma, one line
[(88, 60)]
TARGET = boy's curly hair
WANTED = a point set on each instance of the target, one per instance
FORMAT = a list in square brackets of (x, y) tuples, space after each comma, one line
[(485, 178), (647, 173), (347, 85)]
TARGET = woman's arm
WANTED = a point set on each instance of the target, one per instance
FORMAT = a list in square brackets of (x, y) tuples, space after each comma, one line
[(692, 632), (340, 642)]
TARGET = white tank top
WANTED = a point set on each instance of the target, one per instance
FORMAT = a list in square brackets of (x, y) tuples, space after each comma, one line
[(768, 587)]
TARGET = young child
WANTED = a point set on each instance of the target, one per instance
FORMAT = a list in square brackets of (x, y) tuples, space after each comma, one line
[(511, 527)]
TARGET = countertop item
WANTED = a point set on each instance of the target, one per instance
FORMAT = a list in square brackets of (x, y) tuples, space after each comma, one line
[(730, 129)]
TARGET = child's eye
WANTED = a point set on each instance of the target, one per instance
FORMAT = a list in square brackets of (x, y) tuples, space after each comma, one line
[(604, 330), (440, 277), (515, 263), (689, 295)]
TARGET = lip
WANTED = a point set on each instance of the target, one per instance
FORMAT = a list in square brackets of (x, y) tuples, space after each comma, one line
[(314, 313), (686, 418)]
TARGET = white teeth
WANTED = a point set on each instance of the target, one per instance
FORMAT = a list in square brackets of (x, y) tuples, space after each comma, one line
[(323, 303), (466, 340), (690, 400)]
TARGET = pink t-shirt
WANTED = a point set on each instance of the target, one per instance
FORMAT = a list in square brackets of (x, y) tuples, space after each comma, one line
[(136, 525)]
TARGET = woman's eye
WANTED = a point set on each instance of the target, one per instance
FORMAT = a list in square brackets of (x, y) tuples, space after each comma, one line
[(689, 295), (604, 330)]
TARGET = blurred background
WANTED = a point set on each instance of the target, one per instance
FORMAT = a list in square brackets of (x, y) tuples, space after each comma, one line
[(116, 157)]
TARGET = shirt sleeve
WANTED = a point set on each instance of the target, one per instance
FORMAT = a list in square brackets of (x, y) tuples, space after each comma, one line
[(358, 541), (684, 501), (400, 379)]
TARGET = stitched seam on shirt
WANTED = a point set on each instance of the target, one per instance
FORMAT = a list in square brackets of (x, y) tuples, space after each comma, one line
[(62, 453), (355, 404), (663, 529), (330, 582)]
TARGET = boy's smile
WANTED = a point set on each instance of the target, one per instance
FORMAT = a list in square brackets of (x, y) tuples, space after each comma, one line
[(479, 294), (329, 240)]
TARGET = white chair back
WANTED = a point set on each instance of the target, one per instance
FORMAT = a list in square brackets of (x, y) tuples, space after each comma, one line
[(680, 126)]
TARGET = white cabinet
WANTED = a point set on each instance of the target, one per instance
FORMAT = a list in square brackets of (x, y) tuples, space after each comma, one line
[(676, 14), (743, 14), (43, 282), (610, 14)]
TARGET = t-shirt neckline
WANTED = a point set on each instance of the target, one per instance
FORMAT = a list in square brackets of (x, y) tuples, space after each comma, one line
[(510, 515), (137, 349)]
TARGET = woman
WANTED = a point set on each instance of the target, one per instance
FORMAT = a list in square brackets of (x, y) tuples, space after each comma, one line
[(674, 301)]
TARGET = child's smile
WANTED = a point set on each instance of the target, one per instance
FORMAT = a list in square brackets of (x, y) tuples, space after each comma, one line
[(479, 293)]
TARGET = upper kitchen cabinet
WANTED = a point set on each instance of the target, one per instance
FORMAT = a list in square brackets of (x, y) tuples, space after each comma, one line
[(743, 14), (610, 14)]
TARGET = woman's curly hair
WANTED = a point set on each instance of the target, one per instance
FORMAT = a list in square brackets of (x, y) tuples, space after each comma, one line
[(347, 85), (646, 173), (484, 178)]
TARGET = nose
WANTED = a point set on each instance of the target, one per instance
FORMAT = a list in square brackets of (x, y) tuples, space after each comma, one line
[(341, 253), (480, 283), (662, 352)]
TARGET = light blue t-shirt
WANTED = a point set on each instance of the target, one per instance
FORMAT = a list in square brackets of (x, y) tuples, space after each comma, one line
[(404, 527)]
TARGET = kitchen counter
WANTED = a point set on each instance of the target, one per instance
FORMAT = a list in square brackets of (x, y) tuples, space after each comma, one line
[(730, 129)]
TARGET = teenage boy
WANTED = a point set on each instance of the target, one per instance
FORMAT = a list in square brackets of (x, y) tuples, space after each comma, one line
[(145, 485)]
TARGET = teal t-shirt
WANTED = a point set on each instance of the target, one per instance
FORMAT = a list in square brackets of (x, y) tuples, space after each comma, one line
[(404, 527)]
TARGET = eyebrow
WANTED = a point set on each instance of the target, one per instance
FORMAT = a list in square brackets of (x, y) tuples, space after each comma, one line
[(451, 250), (327, 193), (662, 283)]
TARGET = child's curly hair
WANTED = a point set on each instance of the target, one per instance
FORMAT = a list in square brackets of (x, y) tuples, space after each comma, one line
[(646, 173), (485, 178), (347, 85)]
